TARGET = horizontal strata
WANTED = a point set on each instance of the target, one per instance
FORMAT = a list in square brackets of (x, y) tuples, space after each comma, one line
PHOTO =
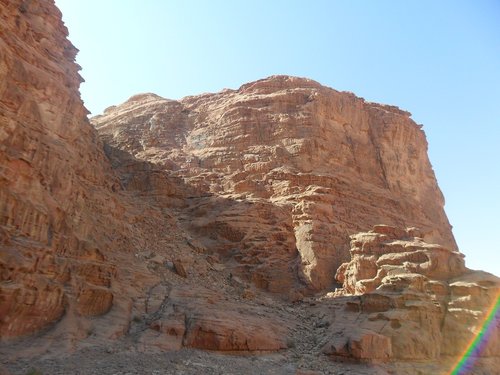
[(327, 162), (222, 222)]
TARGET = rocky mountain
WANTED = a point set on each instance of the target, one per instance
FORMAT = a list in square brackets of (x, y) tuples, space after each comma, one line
[(284, 220), (321, 164)]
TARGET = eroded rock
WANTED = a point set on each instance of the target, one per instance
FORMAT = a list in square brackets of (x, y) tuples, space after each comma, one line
[(248, 195), (416, 300), (280, 169), (202, 319)]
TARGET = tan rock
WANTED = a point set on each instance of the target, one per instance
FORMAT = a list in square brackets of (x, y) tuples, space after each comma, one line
[(200, 318), (93, 302), (262, 185), (419, 299), (281, 163), (389, 256), (471, 297)]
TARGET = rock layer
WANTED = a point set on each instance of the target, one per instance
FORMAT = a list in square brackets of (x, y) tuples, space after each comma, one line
[(194, 319), (56, 183), (323, 164), (411, 300), (209, 223)]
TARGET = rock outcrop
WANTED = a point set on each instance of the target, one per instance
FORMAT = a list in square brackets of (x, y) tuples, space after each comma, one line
[(220, 222), (55, 182), (194, 319), (286, 164), (411, 300)]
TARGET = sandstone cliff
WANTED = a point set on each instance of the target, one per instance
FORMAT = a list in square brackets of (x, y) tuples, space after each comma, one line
[(220, 222), (55, 180), (322, 164), (79, 254)]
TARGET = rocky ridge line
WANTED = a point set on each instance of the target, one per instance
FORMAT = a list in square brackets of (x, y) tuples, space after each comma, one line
[(218, 223)]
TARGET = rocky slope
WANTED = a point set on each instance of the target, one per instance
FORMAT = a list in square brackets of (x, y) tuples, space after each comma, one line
[(321, 164), (73, 245), (221, 222)]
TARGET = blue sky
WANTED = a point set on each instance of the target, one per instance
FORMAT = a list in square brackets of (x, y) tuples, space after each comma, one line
[(440, 60)]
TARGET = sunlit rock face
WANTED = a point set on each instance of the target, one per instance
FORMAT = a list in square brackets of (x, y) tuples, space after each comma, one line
[(287, 169), (232, 222), (411, 300), (55, 181)]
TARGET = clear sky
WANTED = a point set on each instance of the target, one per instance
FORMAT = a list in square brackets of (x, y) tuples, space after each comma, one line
[(440, 60)]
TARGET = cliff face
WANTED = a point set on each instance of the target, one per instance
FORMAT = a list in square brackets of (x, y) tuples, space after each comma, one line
[(51, 161), (79, 254), (220, 222), (321, 163)]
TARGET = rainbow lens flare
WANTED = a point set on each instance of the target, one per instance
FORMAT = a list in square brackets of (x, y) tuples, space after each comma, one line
[(478, 343)]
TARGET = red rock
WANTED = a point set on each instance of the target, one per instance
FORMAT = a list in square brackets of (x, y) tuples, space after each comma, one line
[(179, 268), (371, 346), (318, 164), (55, 181), (93, 302), (262, 185), (418, 297), (199, 318)]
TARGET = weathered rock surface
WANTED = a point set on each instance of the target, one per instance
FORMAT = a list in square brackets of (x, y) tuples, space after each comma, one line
[(412, 300), (67, 232), (194, 319), (283, 164), (209, 223), (55, 182)]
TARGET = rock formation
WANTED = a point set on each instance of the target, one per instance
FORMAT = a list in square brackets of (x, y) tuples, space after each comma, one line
[(322, 165), (232, 222), (56, 184), (73, 245), (412, 299)]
